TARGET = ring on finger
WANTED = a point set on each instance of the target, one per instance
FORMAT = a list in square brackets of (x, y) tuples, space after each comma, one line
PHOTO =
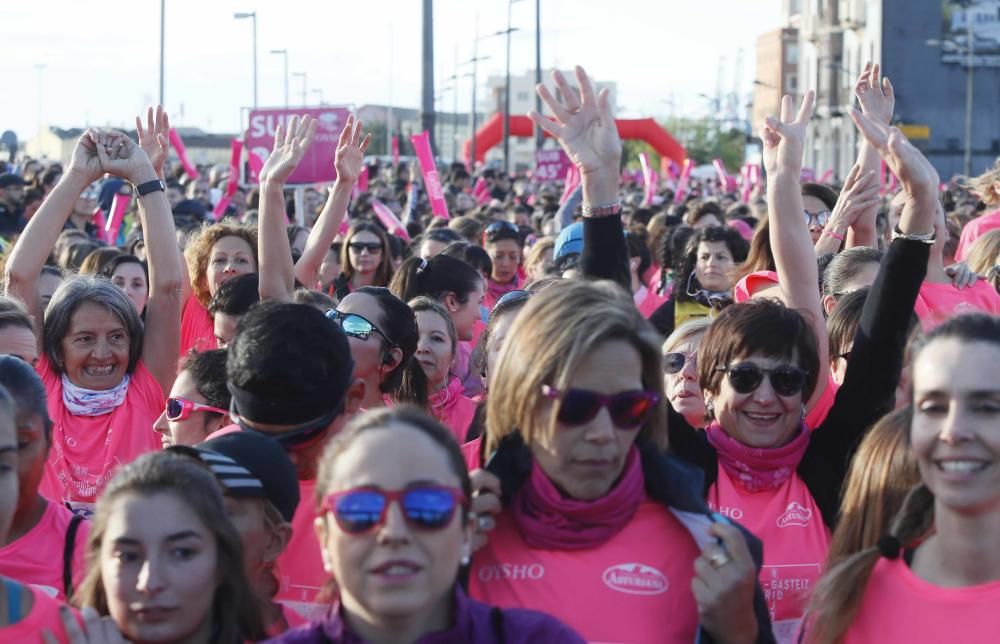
[(719, 559)]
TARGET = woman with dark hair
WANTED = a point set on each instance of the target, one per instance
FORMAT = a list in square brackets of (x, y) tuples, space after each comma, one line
[(395, 527), (198, 404), (163, 560), (131, 275), (502, 240), (364, 259), (704, 278), (934, 576), (105, 372)]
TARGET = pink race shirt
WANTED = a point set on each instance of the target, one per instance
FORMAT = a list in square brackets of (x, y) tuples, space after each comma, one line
[(634, 588), (197, 328), (37, 557), (87, 451), (938, 302), (44, 616), (899, 606), (300, 567), (973, 231), (796, 542)]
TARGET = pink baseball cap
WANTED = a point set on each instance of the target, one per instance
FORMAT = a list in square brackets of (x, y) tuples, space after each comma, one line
[(750, 284), (742, 227)]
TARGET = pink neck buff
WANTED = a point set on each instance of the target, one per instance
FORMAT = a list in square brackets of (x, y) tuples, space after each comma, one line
[(496, 290), (753, 468), (546, 519)]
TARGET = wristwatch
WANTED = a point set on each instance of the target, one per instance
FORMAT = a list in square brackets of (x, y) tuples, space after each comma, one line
[(144, 189), (899, 234)]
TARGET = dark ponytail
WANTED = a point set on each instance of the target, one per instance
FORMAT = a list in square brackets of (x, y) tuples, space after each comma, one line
[(435, 278), (406, 382)]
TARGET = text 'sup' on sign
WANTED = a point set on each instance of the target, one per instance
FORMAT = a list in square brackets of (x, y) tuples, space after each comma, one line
[(915, 132), (317, 165)]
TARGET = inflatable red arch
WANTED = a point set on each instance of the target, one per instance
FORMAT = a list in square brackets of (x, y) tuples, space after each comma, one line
[(648, 130)]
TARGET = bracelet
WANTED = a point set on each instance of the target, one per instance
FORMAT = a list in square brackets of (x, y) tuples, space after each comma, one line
[(926, 239), (602, 211), (833, 234)]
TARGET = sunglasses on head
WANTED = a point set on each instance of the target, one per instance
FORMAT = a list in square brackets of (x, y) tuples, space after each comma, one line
[(356, 326), (628, 409), (425, 507), (180, 408), (503, 229), (746, 377), (371, 247), (674, 361), (820, 217)]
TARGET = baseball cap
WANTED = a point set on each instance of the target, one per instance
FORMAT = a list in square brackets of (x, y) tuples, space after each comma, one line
[(569, 241), (7, 180), (251, 465), (753, 282)]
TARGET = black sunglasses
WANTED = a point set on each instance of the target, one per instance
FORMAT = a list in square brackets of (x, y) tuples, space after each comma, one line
[(746, 377), (628, 409), (356, 326), (371, 247)]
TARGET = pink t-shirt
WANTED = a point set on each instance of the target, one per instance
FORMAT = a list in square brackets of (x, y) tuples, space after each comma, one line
[(197, 328), (795, 540), (44, 616), (87, 451), (973, 231), (899, 606), (634, 588), (938, 302), (300, 567), (453, 409), (36, 558), (470, 451)]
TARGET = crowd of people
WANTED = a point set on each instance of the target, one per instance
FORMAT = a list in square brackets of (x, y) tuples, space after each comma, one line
[(616, 415)]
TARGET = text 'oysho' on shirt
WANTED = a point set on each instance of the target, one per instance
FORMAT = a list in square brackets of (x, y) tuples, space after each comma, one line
[(796, 542), (87, 451), (636, 587)]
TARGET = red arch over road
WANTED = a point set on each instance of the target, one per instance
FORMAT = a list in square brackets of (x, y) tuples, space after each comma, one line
[(648, 130)]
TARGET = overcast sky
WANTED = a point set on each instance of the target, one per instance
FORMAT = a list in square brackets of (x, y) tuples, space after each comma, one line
[(101, 57)]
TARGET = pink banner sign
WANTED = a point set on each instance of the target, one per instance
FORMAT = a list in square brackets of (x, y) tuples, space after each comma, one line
[(256, 165), (363, 179), (395, 151), (728, 183), (390, 220), (682, 182), (432, 182), (99, 221), (572, 182), (648, 178), (481, 191), (233, 183), (551, 165), (178, 144), (317, 164), (119, 204)]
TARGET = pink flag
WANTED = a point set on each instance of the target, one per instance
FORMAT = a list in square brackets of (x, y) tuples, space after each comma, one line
[(481, 191), (175, 140), (389, 219), (363, 179), (728, 183), (118, 207), (572, 181), (826, 177), (682, 183), (344, 227), (435, 194), (746, 185), (233, 183), (99, 221), (256, 164), (647, 179), (395, 150)]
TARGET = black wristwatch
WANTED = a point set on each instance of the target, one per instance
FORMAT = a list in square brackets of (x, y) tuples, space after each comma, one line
[(150, 186)]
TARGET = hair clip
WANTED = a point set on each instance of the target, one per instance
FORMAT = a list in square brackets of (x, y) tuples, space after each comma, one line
[(889, 547)]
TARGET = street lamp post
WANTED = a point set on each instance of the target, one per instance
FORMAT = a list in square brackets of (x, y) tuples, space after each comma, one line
[(284, 53), (253, 19), (539, 136), (506, 95), (305, 86)]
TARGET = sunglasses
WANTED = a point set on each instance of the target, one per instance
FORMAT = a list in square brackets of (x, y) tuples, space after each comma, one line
[(425, 507), (628, 409), (674, 361), (503, 229), (356, 326), (746, 377), (371, 247), (820, 217), (180, 409)]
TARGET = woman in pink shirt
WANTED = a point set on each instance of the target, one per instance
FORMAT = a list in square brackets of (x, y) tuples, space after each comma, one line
[(436, 355), (503, 242), (105, 373), (936, 576)]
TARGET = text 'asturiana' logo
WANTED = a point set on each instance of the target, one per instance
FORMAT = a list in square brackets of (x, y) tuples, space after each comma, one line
[(795, 514), (635, 579)]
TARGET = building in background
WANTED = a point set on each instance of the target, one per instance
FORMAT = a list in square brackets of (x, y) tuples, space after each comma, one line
[(522, 101), (452, 129), (922, 47), (777, 72), (203, 148)]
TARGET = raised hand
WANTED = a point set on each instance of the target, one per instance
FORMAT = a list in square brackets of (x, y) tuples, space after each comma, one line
[(290, 146), (583, 125), (784, 138), (915, 172), (122, 157), (350, 155), (876, 96), (859, 193), (153, 139), (84, 161)]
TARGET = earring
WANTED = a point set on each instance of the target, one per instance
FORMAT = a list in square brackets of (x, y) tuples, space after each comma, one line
[(466, 560), (803, 412), (709, 406)]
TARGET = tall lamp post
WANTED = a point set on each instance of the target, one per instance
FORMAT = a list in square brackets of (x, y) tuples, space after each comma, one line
[(305, 85), (284, 54), (253, 19), (506, 94), (539, 135)]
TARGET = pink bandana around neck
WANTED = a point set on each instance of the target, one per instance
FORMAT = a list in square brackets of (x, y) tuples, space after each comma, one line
[(547, 519), (755, 468)]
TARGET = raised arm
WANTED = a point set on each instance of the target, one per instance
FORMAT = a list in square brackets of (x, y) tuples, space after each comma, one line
[(794, 256), (878, 100), (26, 259), (858, 200), (585, 128), (277, 273), (349, 160), (120, 156)]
